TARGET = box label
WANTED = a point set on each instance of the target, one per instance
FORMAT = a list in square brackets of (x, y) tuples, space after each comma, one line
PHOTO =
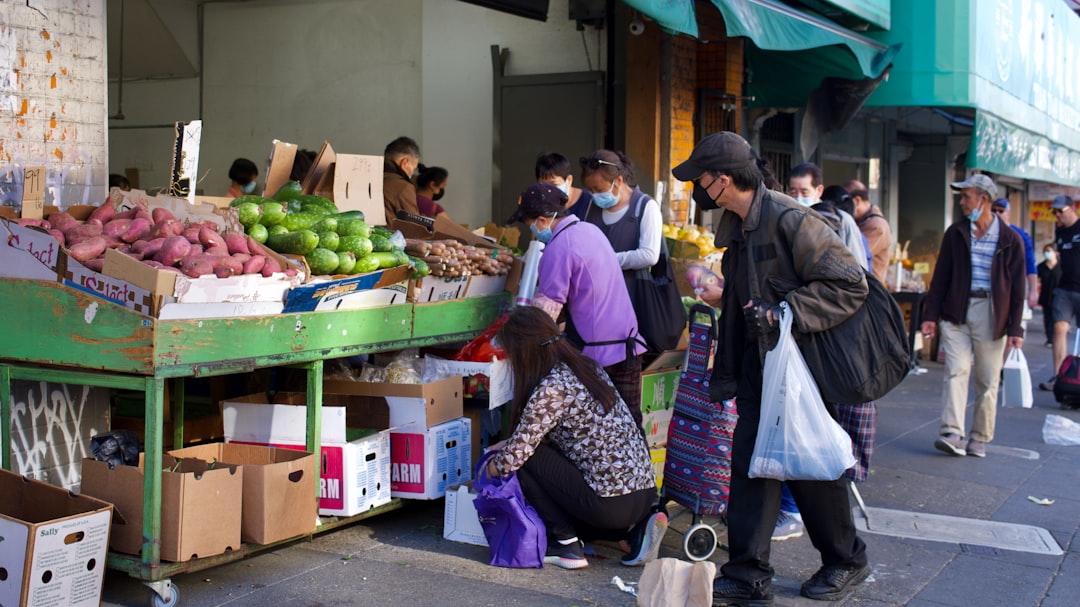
[(407, 462), (331, 475)]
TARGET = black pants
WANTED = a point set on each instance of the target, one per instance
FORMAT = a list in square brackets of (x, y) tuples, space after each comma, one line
[(568, 505), (754, 503), (1048, 322)]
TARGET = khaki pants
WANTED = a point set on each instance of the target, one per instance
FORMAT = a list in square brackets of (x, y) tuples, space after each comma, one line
[(963, 343)]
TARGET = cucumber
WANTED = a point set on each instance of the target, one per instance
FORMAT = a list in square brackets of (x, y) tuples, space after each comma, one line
[(272, 213), (329, 240), (299, 221), (289, 191), (383, 231), (293, 206), (276, 230), (326, 224), (322, 261), (246, 198), (359, 245), (346, 263), (248, 213), (380, 244), (420, 268), (366, 264), (258, 232), (386, 259), (353, 227), (300, 242), (317, 205), (350, 215)]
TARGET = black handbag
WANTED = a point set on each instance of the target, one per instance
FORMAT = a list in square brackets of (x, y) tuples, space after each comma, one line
[(658, 306), (864, 357)]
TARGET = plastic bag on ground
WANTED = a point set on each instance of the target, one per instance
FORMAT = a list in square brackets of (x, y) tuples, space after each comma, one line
[(1058, 430), (670, 582)]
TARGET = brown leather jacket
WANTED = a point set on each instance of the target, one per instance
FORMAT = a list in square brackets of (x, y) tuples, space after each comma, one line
[(950, 288)]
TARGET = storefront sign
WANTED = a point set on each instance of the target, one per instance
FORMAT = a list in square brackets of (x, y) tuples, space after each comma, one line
[(1001, 147)]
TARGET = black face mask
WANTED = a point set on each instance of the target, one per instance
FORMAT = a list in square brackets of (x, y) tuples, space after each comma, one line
[(439, 195), (702, 198)]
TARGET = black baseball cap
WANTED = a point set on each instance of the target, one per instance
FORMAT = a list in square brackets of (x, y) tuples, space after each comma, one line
[(538, 200), (723, 151), (1061, 201)]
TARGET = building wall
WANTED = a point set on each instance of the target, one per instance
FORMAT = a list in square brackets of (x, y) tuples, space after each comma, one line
[(52, 99), (683, 103)]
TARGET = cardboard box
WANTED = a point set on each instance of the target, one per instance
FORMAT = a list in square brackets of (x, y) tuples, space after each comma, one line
[(279, 500), (346, 293), (413, 407), (659, 381), (500, 381), (75, 274), (484, 284), (52, 544), (278, 166), (460, 521), (354, 475), (352, 181), (424, 464), (438, 288), (27, 252), (200, 508), (225, 219)]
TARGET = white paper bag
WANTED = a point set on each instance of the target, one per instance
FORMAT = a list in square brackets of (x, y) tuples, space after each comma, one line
[(1016, 381), (673, 583)]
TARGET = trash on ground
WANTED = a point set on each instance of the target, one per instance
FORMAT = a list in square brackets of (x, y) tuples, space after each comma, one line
[(1058, 430), (1042, 501), (627, 587)]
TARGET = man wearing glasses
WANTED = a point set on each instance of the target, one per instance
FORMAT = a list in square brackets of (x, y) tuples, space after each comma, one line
[(1066, 300), (977, 293)]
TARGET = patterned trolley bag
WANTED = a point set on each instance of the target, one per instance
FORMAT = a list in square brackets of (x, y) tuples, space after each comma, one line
[(697, 471)]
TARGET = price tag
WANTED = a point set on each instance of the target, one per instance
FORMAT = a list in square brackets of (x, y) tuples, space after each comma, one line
[(33, 202)]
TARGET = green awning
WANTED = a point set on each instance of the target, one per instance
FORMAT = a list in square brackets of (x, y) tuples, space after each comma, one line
[(773, 26)]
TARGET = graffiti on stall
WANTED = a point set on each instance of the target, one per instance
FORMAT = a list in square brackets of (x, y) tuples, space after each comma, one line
[(50, 432)]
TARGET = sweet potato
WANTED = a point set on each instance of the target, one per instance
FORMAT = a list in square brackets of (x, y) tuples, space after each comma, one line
[(104, 213), (89, 249), (116, 227), (58, 235), (232, 265), (192, 234), (41, 223), (141, 213), (290, 272), (153, 264), (210, 238), (137, 230), (128, 214), (216, 251), (237, 243), (112, 242), (241, 257), (270, 267), (96, 264), (167, 228), (255, 248), (173, 249), (160, 215), (62, 220), (197, 265), (254, 265), (86, 230)]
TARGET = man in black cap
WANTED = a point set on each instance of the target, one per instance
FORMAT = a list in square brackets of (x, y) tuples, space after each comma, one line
[(1066, 301), (777, 250)]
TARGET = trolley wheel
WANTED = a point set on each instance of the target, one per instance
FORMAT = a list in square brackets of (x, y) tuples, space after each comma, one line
[(699, 542), (172, 600)]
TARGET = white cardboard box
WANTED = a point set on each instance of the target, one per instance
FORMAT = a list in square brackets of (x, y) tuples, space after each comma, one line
[(500, 381), (353, 476), (460, 521), (439, 288), (54, 544), (424, 465)]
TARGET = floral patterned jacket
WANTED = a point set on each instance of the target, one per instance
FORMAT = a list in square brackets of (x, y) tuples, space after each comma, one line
[(607, 448)]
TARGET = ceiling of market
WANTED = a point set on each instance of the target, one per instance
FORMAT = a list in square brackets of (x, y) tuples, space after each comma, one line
[(150, 44)]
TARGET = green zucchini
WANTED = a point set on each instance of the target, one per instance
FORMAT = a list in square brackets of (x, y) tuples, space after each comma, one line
[(300, 242)]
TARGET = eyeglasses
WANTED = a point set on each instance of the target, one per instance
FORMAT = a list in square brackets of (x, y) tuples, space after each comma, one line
[(998, 210), (1058, 211), (594, 163)]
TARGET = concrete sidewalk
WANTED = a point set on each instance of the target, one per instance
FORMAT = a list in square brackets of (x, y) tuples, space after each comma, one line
[(400, 558)]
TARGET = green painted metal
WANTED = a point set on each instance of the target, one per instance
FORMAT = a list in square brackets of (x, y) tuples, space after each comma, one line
[(6, 406), (154, 390), (314, 415), (466, 317), (176, 403)]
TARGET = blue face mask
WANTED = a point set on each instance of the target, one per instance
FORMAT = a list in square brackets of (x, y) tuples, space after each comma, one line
[(1048, 255), (544, 235), (564, 187), (975, 214), (805, 201), (606, 200), (249, 188)]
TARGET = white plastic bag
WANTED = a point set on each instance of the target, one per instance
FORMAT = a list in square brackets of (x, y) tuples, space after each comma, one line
[(1016, 381), (673, 583), (1058, 430), (797, 439)]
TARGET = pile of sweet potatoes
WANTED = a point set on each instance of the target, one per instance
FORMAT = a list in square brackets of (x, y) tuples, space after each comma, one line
[(158, 239)]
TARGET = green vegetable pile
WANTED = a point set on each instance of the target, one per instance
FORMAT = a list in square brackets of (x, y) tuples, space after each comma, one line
[(332, 242)]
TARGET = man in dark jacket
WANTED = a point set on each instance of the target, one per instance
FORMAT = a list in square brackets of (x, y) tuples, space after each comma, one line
[(777, 250), (400, 160), (977, 293)]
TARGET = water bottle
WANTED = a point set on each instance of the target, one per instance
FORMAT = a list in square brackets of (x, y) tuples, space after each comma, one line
[(529, 273)]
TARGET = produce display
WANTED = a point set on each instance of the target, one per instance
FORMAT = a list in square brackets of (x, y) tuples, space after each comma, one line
[(331, 241), (454, 258), (699, 236)]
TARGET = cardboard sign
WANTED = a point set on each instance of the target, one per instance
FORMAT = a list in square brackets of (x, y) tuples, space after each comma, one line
[(319, 170), (358, 186), (279, 166), (185, 162), (33, 201)]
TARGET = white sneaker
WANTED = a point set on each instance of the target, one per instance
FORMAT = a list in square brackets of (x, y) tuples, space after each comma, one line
[(788, 526)]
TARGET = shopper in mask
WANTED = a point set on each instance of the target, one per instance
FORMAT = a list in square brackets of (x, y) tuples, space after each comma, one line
[(806, 187), (430, 187), (555, 169), (243, 174), (580, 281)]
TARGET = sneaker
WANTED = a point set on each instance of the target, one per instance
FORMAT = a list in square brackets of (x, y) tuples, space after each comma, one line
[(645, 539), (950, 443), (1048, 385), (788, 526), (833, 583), (567, 556), (727, 592), (976, 448)]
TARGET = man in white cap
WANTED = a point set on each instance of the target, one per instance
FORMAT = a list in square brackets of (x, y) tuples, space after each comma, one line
[(977, 293)]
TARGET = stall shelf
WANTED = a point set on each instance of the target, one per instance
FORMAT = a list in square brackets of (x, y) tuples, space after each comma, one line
[(60, 334)]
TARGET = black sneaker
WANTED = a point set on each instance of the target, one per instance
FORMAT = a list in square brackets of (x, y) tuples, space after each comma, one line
[(645, 539), (727, 592), (567, 556), (1048, 385), (833, 582)]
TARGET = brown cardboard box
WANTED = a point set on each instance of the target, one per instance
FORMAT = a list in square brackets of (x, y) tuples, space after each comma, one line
[(200, 508), (52, 544), (418, 405), (279, 488)]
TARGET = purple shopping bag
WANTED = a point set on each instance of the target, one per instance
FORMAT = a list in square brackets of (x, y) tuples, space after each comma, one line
[(516, 536)]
